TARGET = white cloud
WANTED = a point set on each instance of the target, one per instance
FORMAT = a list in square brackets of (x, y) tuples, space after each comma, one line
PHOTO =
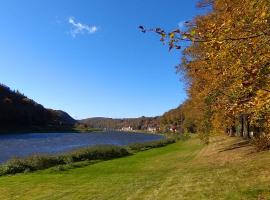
[(79, 28), (181, 24)]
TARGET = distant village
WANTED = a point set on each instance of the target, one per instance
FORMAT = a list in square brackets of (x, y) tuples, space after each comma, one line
[(141, 124), (172, 129), (149, 129)]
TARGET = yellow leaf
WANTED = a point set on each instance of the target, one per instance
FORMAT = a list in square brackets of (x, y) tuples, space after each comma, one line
[(263, 14), (171, 35)]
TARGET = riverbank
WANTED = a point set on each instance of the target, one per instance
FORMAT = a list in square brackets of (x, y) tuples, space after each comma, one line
[(23, 145), (67, 159), (228, 168)]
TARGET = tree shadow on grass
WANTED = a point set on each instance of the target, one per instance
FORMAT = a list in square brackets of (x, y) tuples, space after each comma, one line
[(237, 145)]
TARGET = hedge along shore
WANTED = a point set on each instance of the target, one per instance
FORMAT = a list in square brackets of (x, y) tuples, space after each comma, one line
[(94, 153)]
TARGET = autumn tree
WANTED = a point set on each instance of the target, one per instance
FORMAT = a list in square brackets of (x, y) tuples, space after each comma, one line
[(228, 64)]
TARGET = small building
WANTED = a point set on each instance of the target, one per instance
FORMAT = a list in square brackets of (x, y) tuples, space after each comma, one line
[(129, 128), (152, 129), (173, 128)]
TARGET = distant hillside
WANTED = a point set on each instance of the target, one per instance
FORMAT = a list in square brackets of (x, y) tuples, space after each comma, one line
[(141, 123), (179, 119), (173, 120), (18, 112), (63, 117)]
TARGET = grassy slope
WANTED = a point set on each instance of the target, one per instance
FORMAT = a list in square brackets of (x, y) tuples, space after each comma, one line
[(185, 170)]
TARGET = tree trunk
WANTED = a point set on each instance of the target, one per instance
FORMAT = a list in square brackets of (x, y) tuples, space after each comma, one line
[(242, 126), (246, 128), (232, 131)]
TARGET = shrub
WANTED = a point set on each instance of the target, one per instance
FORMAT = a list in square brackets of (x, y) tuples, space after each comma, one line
[(38, 162), (65, 160), (32, 163), (61, 168), (96, 153), (149, 145), (14, 166)]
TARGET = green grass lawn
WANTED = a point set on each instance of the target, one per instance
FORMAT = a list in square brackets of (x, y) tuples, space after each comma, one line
[(184, 170)]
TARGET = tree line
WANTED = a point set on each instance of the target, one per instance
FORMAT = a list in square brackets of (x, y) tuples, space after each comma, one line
[(141, 123), (227, 68)]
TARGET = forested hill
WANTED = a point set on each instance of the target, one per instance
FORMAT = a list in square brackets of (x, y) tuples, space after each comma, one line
[(19, 113), (141, 123)]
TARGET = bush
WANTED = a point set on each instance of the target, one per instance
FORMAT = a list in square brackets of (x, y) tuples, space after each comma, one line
[(38, 162), (32, 163), (262, 142), (150, 145), (14, 166), (65, 160), (61, 168), (96, 153)]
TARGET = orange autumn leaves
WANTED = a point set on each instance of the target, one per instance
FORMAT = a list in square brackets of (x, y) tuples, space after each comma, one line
[(227, 63)]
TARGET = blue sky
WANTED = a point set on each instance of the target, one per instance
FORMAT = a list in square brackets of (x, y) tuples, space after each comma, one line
[(89, 58)]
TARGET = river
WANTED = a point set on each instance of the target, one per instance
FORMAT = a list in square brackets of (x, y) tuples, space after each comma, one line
[(21, 145)]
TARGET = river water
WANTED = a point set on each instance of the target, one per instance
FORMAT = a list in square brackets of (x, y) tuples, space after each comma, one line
[(21, 145)]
